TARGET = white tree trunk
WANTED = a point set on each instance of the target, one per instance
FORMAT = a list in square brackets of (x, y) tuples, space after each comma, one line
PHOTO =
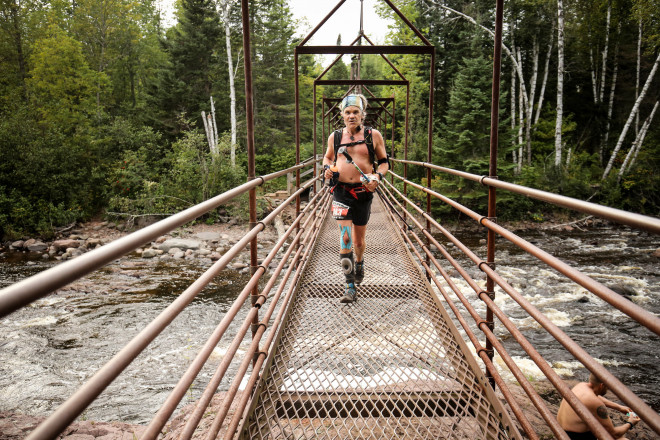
[(594, 87), (232, 89), (637, 145), (513, 113), (633, 112), (605, 49), (545, 74), (213, 126), (206, 129), (521, 115), (610, 104), (639, 68), (560, 81), (532, 93)]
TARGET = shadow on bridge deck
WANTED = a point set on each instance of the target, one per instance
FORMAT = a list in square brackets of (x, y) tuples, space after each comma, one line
[(391, 365)]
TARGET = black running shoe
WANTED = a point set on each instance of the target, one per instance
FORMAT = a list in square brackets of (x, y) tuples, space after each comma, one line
[(349, 295), (359, 272)]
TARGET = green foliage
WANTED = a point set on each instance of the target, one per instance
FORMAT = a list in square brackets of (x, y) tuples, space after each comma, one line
[(191, 175), (62, 86)]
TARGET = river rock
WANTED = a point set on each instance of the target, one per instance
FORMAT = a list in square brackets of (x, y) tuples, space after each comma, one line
[(239, 265), (74, 252), (18, 244), (656, 253), (173, 250), (150, 253), (204, 252), (181, 243), (623, 290), (161, 239), (215, 256), (60, 245), (178, 255), (94, 242), (208, 236), (37, 246)]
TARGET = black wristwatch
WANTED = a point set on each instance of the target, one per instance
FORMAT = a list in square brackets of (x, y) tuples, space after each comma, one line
[(380, 175)]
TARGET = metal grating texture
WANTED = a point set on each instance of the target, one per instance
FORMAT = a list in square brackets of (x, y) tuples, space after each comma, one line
[(391, 365)]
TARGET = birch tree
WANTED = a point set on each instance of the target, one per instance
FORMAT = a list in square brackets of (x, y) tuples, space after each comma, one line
[(631, 117), (226, 7), (605, 49), (637, 144), (560, 81), (546, 70), (610, 104)]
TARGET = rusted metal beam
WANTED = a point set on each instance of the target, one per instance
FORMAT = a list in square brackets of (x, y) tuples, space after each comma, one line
[(492, 167), (362, 82), (374, 50)]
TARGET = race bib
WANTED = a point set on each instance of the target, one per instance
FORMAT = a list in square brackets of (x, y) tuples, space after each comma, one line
[(339, 210)]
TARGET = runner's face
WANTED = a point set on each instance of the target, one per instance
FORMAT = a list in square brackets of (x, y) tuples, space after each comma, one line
[(352, 116)]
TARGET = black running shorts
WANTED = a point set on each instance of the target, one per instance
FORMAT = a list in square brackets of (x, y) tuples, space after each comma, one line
[(345, 205)]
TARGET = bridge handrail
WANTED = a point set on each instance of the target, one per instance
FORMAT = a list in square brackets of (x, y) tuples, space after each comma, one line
[(480, 350), (637, 313), (180, 389), (650, 224), (30, 289), (90, 390), (536, 357), (253, 350)]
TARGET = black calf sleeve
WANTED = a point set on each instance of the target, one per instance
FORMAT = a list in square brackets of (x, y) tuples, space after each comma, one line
[(347, 266)]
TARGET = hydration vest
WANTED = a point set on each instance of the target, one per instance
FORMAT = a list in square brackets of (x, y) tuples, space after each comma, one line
[(367, 140)]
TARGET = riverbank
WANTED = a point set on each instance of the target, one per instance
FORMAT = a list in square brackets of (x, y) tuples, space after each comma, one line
[(199, 240)]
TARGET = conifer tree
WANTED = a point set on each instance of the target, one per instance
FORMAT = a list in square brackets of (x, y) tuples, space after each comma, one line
[(192, 46)]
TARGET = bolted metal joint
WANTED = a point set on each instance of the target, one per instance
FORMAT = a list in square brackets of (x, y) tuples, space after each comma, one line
[(492, 219), (490, 264)]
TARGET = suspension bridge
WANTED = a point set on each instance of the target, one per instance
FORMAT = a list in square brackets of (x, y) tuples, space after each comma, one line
[(394, 364)]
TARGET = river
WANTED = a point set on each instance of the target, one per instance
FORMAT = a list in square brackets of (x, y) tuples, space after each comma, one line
[(48, 349)]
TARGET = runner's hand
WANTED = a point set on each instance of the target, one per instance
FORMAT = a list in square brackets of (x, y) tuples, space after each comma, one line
[(375, 181)]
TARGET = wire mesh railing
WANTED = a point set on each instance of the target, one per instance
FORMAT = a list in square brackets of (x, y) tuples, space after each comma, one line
[(425, 255), (390, 365)]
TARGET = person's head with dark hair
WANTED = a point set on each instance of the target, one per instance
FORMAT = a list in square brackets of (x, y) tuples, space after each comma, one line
[(598, 386)]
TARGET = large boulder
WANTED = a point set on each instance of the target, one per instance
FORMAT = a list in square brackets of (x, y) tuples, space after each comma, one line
[(181, 243)]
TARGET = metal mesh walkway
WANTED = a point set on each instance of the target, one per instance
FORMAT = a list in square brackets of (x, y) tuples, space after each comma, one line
[(391, 365)]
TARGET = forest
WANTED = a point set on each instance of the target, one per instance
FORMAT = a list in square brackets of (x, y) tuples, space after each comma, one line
[(104, 110)]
